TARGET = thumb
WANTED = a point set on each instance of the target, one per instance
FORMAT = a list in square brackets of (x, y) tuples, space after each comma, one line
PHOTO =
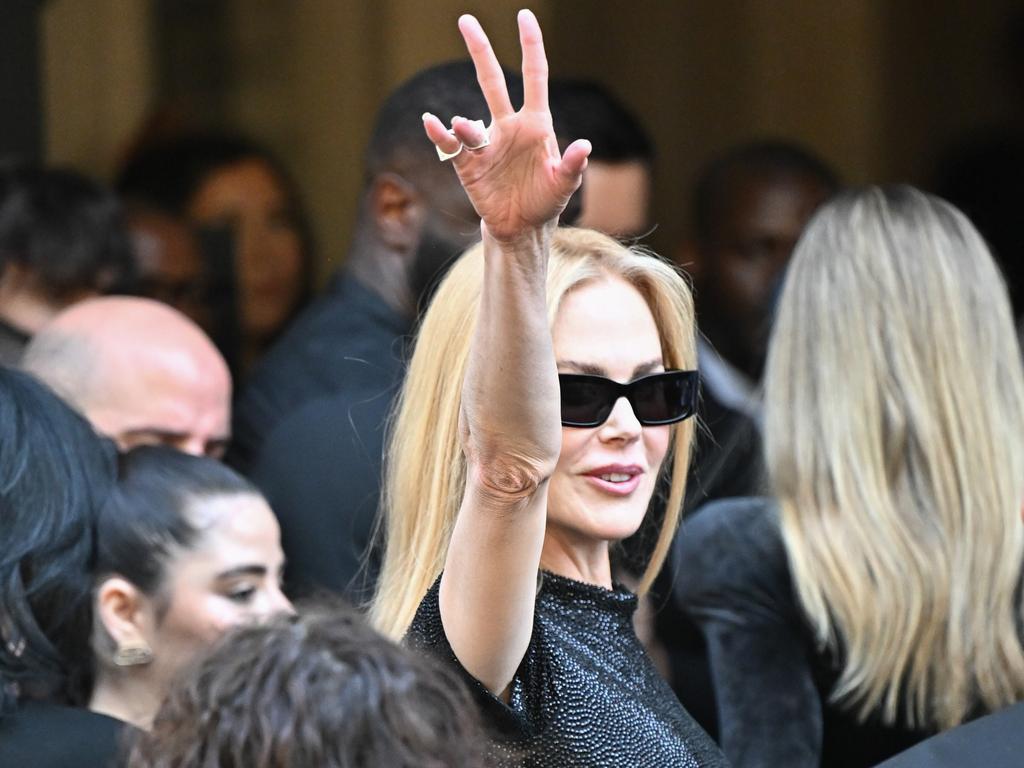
[(573, 163)]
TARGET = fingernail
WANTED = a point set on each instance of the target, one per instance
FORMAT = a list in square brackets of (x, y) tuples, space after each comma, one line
[(426, 115)]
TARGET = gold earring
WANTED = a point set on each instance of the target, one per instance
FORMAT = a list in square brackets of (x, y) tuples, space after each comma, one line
[(133, 654)]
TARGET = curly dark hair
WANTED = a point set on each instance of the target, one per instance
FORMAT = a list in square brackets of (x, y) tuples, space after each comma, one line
[(318, 689)]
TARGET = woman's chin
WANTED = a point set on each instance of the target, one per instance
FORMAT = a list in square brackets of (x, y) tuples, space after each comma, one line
[(608, 521)]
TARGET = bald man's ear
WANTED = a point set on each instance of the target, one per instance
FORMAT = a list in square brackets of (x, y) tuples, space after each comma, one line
[(688, 256), (398, 212)]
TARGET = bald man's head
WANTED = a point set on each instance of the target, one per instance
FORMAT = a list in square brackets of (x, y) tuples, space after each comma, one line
[(141, 372)]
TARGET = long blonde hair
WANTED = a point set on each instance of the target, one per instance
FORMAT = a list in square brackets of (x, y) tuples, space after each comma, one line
[(894, 433), (425, 468)]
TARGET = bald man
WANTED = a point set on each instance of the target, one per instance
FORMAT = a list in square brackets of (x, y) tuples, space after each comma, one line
[(140, 371)]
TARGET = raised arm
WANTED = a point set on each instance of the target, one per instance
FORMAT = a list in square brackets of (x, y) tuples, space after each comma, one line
[(511, 433)]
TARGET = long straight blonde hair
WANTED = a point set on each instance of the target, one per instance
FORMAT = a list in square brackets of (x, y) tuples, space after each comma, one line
[(425, 468), (894, 432)]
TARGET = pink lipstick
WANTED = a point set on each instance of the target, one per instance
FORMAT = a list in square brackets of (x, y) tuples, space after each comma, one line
[(615, 479)]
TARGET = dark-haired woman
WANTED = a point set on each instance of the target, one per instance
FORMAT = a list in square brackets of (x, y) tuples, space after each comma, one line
[(54, 474), (221, 182), (338, 694), (187, 550)]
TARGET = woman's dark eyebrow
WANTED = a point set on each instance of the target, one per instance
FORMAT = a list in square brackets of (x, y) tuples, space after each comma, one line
[(165, 435), (243, 570)]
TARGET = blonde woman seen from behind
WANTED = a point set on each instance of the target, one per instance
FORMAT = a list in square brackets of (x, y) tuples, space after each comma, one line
[(499, 520), (877, 600)]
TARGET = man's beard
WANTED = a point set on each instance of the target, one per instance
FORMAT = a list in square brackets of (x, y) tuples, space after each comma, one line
[(434, 256)]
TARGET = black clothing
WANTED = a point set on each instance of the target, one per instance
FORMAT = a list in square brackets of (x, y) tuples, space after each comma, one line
[(772, 683), (586, 694), (347, 338), (12, 344), (44, 735), (309, 431), (726, 463), (994, 741)]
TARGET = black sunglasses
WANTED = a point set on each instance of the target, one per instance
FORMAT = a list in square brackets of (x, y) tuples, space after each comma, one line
[(661, 398)]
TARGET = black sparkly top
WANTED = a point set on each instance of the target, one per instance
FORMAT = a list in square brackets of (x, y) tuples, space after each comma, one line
[(586, 693)]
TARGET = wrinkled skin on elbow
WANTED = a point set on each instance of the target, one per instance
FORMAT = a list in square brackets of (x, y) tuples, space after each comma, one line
[(507, 460), (511, 476)]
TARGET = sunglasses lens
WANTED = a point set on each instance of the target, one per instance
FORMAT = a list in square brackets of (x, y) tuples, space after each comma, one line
[(664, 398), (585, 400)]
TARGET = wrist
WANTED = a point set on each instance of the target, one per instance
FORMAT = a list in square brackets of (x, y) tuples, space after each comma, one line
[(528, 240)]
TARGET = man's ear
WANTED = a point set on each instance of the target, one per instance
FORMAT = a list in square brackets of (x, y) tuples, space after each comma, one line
[(123, 612), (398, 212)]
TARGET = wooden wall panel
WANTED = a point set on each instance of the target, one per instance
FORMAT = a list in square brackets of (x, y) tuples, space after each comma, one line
[(98, 79)]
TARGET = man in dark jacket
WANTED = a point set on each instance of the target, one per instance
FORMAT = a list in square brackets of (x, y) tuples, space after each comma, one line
[(309, 426)]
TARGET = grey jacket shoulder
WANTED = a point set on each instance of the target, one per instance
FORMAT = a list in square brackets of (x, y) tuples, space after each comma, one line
[(994, 741)]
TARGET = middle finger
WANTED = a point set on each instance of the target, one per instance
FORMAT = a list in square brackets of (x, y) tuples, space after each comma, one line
[(535, 62)]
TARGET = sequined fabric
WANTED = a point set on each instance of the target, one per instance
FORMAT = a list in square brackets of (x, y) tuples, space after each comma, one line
[(586, 693)]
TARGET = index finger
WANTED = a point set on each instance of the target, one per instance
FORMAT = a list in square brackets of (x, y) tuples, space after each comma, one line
[(535, 63), (488, 70)]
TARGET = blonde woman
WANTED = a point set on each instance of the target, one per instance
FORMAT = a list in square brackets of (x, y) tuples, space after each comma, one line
[(548, 390), (877, 600)]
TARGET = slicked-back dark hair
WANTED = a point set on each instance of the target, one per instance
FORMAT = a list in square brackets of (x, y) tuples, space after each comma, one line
[(583, 109), (759, 159), (145, 517), (55, 472), (398, 142), (321, 689), (66, 229)]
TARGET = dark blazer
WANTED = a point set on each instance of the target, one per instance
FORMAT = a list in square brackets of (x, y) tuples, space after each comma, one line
[(51, 736), (995, 741), (309, 432), (726, 462), (772, 683)]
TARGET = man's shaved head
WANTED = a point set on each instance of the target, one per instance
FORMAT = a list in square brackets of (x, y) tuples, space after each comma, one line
[(141, 372)]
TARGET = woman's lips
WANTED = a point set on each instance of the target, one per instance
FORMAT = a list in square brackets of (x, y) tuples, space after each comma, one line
[(615, 479)]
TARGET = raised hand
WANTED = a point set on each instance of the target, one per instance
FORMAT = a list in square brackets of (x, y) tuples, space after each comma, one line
[(519, 182)]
